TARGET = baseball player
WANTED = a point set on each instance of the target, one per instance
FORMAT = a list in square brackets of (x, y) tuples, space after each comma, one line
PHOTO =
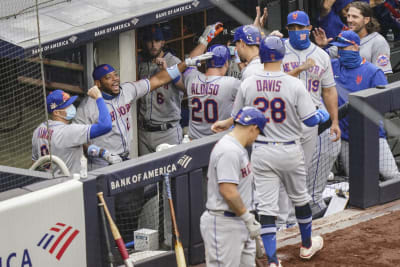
[(159, 110), (64, 139), (227, 226), (353, 73), (211, 95), (374, 48), (278, 155), (247, 39), (118, 98), (332, 15), (319, 82)]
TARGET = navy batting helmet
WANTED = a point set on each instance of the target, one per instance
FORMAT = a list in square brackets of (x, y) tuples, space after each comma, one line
[(250, 116), (221, 55), (250, 34), (272, 49)]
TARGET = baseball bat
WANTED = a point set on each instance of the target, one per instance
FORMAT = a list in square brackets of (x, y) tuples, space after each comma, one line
[(117, 236), (110, 256), (180, 255)]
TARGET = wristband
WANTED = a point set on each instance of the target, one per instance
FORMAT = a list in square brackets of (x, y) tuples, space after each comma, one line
[(173, 72)]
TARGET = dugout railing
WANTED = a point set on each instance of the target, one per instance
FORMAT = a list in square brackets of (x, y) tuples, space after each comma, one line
[(366, 190), (186, 164)]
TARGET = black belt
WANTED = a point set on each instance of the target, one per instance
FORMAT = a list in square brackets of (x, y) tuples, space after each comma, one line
[(276, 143), (157, 128), (226, 213)]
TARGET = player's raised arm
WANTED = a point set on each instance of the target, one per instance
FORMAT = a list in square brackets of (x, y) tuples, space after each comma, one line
[(210, 32), (173, 73), (104, 124)]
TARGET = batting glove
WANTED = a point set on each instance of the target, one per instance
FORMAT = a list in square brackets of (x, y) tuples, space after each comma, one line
[(252, 225), (196, 60), (210, 32), (111, 158), (93, 151), (323, 115)]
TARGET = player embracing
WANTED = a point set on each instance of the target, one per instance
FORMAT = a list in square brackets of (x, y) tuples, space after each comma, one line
[(277, 157), (227, 226)]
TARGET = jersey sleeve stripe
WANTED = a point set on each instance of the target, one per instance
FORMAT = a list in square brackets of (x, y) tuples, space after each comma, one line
[(88, 133), (148, 85), (221, 181)]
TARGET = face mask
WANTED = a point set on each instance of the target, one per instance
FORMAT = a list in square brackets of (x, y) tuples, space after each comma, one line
[(71, 112), (349, 59), (300, 40)]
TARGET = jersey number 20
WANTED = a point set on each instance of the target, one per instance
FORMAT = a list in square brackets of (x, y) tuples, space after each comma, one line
[(276, 105), (209, 110)]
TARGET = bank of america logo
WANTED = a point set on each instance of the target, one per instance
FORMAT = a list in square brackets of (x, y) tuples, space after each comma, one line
[(58, 239)]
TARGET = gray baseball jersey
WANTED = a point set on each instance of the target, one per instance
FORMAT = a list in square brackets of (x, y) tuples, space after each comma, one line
[(282, 98), (66, 142), (254, 66), (234, 70), (118, 140), (229, 163), (162, 104), (318, 77), (210, 99), (374, 48)]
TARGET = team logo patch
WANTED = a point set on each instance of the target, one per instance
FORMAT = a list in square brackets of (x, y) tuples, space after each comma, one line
[(359, 79), (303, 36), (105, 67), (295, 15), (382, 60)]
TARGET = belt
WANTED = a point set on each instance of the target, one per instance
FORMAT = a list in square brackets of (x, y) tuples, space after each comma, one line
[(157, 127), (226, 213), (276, 143), (222, 212)]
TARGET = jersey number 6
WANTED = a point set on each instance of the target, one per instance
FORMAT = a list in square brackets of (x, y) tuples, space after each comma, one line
[(276, 105)]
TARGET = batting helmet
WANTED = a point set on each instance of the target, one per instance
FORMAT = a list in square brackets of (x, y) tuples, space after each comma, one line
[(250, 34), (251, 116), (221, 55), (271, 49)]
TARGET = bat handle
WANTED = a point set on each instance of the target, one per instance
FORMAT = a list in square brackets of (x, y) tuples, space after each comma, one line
[(167, 185)]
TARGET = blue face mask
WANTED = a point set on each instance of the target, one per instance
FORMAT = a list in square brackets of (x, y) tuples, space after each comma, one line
[(300, 40), (349, 59), (71, 112)]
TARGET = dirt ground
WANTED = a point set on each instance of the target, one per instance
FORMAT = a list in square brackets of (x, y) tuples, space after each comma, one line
[(372, 243)]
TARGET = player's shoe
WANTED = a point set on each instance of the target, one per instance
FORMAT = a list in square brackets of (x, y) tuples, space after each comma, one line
[(273, 264), (316, 245)]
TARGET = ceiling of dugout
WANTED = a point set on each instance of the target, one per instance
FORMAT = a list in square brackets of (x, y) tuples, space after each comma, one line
[(67, 23)]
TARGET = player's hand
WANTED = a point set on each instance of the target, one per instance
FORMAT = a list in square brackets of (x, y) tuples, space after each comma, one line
[(210, 33), (320, 37), (374, 3), (161, 63), (220, 126), (259, 21), (252, 225), (323, 115), (335, 132), (276, 33), (94, 92), (111, 158), (308, 64)]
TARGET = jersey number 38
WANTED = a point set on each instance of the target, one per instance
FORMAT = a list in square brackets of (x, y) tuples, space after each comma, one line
[(276, 105)]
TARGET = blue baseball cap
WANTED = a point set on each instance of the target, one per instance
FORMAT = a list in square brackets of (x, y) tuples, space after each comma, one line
[(153, 32), (298, 17), (251, 116), (345, 39), (102, 70), (59, 99)]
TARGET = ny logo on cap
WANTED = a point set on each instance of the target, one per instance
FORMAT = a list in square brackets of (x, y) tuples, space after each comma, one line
[(105, 67), (295, 15)]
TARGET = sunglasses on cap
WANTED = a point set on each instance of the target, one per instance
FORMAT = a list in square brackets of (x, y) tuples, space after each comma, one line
[(341, 39)]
